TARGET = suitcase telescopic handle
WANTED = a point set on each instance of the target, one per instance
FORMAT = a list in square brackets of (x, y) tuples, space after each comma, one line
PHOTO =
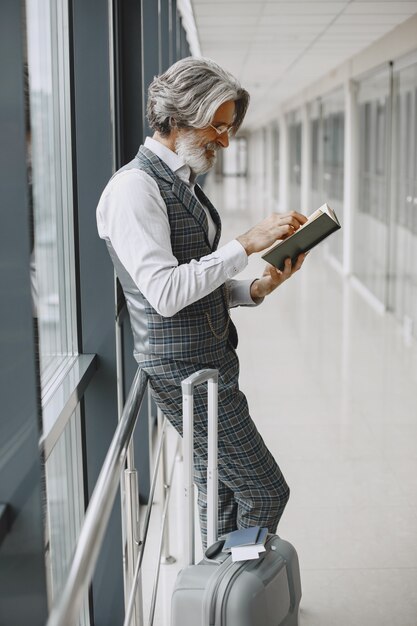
[(188, 385)]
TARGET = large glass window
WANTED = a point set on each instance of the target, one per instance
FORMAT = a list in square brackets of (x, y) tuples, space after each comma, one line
[(257, 169), (275, 163), (333, 136), (316, 130), (294, 141), (50, 176), (65, 511), (48, 136), (403, 294), (235, 158), (371, 218)]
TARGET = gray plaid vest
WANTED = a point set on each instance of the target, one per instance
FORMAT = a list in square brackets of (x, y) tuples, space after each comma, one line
[(201, 331)]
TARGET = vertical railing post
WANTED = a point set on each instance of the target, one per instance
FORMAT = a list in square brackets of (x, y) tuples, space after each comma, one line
[(133, 541), (164, 486)]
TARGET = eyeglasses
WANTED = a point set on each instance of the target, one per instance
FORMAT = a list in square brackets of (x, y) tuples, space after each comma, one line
[(223, 128)]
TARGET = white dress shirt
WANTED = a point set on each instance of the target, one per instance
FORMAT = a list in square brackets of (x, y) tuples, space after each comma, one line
[(132, 215)]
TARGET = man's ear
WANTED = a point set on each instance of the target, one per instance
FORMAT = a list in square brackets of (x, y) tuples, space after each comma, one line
[(168, 140), (172, 137)]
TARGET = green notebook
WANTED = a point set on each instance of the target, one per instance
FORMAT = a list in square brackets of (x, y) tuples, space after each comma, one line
[(319, 225)]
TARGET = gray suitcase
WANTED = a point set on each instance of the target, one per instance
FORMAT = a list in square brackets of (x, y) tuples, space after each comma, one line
[(218, 591)]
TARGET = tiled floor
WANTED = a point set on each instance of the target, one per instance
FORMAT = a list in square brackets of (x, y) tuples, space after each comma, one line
[(332, 387)]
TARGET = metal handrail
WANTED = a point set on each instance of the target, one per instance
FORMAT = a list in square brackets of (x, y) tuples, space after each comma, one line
[(67, 609)]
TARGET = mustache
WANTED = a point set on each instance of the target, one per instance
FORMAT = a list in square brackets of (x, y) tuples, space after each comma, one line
[(212, 146), (196, 154)]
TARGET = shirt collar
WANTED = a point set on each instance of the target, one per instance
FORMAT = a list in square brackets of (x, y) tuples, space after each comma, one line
[(170, 158)]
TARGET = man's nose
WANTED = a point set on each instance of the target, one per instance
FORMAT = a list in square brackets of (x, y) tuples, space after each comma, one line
[(223, 139)]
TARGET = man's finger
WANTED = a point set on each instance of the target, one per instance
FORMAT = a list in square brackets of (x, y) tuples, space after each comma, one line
[(300, 261), (287, 267), (299, 218)]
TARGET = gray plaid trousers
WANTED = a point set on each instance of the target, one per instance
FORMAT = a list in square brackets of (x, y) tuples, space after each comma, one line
[(252, 489)]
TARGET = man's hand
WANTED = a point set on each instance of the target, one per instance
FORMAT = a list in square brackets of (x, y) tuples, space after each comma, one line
[(274, 227), (273, 278)]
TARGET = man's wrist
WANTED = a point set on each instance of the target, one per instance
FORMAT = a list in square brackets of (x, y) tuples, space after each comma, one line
[(244, 242), (255, 292)]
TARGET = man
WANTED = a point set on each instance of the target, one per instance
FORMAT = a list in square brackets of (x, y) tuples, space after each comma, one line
[(162, 233)]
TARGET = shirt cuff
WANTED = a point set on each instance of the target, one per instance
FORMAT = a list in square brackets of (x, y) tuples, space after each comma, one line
[(239, 293), (234, 258)]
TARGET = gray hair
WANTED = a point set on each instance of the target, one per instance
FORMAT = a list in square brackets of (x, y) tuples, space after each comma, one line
[(189, 93)]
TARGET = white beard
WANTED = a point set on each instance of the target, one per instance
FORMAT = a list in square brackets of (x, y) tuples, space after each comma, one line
[(195, 156)]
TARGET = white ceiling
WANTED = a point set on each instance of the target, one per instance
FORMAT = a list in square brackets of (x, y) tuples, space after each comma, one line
[(277, 48)]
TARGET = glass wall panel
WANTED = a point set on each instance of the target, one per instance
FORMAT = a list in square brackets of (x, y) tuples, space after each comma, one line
[(150, 54), (316, 129), (53, 265), (256, 171), (65, 506), (164, 9), (234, 162), (50, 176), (294, 147), (333, 135), (265, 157), (371, 217), (173, 31), (404, 181), (275, 163)]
